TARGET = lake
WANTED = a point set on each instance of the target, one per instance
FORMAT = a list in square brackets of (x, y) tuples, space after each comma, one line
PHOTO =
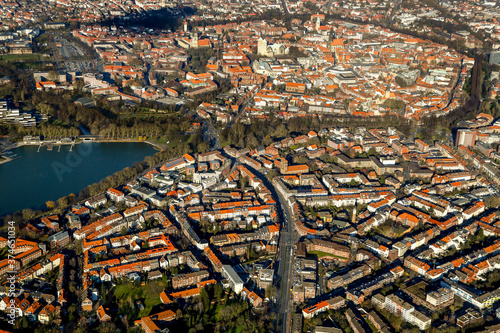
[(37, 177)]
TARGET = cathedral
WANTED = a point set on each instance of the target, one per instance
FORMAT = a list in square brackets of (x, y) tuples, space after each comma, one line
[(272, 50)]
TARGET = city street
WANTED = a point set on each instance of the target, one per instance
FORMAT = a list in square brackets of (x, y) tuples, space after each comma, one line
[(286, 253)]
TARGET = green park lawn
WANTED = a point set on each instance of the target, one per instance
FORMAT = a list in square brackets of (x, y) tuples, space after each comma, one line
[(149, 294), (20, 57)]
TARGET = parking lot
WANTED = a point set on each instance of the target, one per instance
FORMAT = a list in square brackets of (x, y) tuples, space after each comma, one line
[(79, 66), (71, 55), (67, 49)]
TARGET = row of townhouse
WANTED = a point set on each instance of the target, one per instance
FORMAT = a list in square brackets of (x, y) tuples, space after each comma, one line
[(34, 305), (385, 202), (40, 268), (377, 322), (372, 162), (474, 210), (448, 178), (266, 232), (242, 249), (150, 253), (355, 321), (398, 208), (96, 226), (349, 277), (7, 266), (432, 198), (338, 251), (359, 293), (454, 239), (120, 270), (114, 227), (313, 188), (416, 265), (420, 203), (34, 310), (251, 162), (214, 260), (21, 294), (347, 178), (116, 242), (237, 212), (474, 265), (184, 280), (186, 228), (343, 200), (489, 230), (334, 303), (28, 256)]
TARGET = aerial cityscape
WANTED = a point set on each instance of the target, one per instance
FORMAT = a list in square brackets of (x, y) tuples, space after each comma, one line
[(261, 166)]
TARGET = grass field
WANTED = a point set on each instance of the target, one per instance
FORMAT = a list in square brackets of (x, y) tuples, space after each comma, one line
[(149, 294), (321, 254), (191, 138), (161, 140), (20, 57)]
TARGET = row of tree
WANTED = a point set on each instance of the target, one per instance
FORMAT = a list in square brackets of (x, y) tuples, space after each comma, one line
[(265, 132), (219, 311), (49, 130), (65, 118)]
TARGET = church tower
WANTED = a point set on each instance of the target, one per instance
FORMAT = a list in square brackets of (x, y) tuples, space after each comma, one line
[(262, 47), (330, 36), (194, 40), (284, 166), (318, 23)]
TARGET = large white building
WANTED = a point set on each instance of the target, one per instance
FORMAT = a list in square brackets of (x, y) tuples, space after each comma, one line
[(405, 310), (234, 279), (481, 302)]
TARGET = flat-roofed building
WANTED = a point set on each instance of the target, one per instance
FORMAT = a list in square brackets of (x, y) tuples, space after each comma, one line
[(265, 278), (234, 279), (439, 297)]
